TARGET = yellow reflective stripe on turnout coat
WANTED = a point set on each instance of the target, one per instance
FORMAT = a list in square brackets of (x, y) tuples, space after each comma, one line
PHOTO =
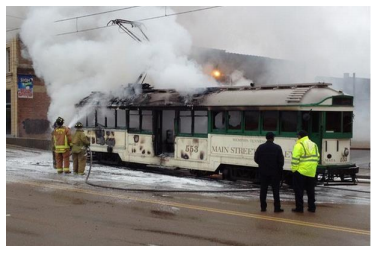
[(62, 139)]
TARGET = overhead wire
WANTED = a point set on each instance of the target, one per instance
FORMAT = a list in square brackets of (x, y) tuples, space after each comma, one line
[(146, 19), (99, 13), (179, 13), (79, 17)]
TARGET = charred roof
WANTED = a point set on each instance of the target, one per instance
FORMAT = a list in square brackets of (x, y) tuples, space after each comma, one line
[(254, 95)]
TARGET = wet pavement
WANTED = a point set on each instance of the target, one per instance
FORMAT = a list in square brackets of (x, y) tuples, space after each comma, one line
[(46, 208)]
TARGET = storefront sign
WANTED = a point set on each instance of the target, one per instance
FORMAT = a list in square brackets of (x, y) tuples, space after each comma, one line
[(25, 86)]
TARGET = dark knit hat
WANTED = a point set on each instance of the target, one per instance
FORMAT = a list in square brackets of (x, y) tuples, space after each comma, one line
[(269, 135), (302, 133)]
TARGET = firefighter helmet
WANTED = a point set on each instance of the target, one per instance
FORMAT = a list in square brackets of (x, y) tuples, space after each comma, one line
[(79, 125), (59, 121)]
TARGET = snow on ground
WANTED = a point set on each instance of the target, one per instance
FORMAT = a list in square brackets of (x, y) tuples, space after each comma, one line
[(33, 164), (26, 163)]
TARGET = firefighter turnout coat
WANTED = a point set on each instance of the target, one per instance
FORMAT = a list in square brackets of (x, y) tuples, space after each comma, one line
[(62, 139), (305, 157), (79, 149)]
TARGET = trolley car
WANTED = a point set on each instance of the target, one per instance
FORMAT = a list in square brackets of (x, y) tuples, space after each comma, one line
[(219, 129)]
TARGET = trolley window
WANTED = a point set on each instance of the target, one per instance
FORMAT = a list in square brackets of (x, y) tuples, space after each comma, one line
[(315, 118), (251, 120), (121, 119), (147, 121), (134, 120), (289, 121), (219, 121), (82, 119), (91, 118), (110, 118), (186, 122), (270, 120), (101, 117), (200, 122), (234, 120), (333, 122), (347, 122)]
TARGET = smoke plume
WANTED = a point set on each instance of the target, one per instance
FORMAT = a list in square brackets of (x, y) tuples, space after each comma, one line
[(74, 65)]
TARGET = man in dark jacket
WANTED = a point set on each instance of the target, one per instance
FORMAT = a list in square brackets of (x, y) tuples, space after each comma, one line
[(270, 159)]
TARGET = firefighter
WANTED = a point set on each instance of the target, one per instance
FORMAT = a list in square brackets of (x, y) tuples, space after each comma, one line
[(53, 145), (304, 162), (62, 145), (79, 149)]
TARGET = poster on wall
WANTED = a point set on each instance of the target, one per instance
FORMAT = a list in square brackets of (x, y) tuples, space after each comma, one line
[(25, 86)]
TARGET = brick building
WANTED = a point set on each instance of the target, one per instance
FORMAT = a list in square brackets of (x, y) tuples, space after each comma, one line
[(26, 96)]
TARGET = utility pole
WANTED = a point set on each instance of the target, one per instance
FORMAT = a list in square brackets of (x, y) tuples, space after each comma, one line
[(354, 85)]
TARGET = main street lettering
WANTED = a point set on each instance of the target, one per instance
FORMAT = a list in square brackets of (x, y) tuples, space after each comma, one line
[(233, 150)]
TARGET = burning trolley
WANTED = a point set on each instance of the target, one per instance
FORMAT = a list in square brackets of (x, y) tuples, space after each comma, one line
[(219, 129)]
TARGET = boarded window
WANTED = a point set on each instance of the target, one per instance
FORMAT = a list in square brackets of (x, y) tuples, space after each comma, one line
[(9, 117), (200, 122), (134, 121), (234, 120), (270, 120), (121, 118), (147, 121), (186, 122), (333, 122), (289, 121), (219, 121), (347, 122), (251, 120), (8, 60)]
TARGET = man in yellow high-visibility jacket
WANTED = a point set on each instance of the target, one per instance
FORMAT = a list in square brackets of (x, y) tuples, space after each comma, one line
[(62, 145), (305, 159)]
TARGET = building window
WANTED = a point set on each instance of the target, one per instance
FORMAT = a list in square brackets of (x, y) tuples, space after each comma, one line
[(9, 113), (8, 60)]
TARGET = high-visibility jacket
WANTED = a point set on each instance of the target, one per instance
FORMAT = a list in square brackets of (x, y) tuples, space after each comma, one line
[(305, 157), (62, 139)]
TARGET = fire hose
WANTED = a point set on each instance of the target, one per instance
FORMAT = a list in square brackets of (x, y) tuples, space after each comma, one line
[(156, 190)]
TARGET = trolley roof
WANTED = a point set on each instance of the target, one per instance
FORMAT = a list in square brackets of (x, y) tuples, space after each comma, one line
[(268, 95)]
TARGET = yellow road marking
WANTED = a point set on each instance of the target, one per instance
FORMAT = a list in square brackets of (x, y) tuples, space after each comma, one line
[(200, 208)]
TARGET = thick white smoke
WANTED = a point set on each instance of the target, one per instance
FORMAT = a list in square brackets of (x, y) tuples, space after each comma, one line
[(74, 65)]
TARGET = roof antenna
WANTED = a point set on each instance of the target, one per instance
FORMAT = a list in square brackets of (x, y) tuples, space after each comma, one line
[(133, 24)]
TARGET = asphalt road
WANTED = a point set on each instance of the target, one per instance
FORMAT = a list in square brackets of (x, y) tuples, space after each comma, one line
[(57, 213)]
